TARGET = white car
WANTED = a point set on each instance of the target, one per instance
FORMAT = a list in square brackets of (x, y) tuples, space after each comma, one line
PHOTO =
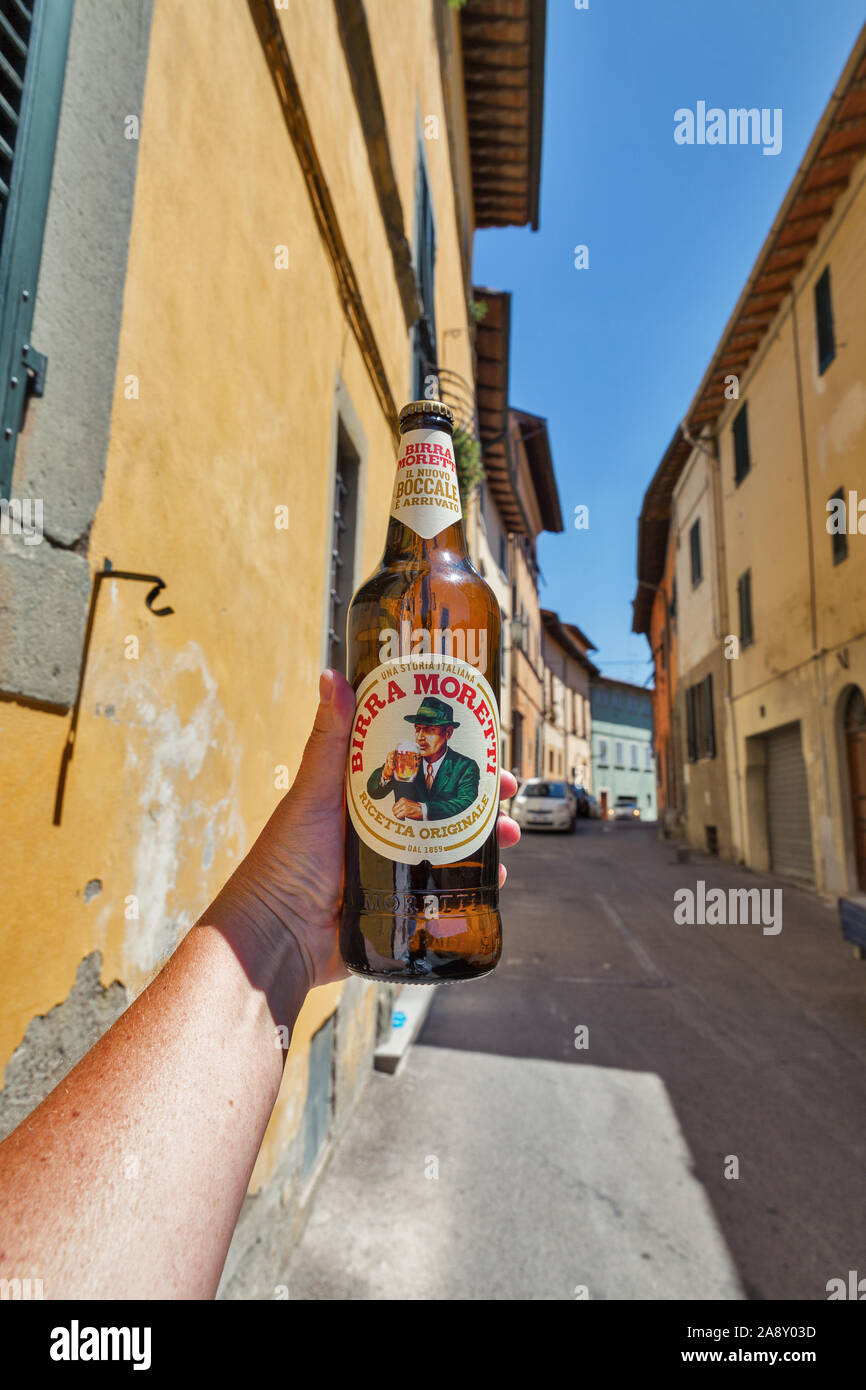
[(626, 808), (542, 804)]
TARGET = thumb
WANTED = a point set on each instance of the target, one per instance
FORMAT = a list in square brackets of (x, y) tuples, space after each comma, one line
[(323, 765)]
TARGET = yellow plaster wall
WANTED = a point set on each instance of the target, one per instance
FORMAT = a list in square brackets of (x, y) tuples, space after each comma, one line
[(222, 412)]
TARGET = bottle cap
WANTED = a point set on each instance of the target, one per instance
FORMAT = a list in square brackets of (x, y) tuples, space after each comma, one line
[(427, 408)]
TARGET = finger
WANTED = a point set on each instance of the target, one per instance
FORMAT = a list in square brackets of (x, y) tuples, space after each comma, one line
[(503, 874), (507, 785), (323, 764), (507, 831)]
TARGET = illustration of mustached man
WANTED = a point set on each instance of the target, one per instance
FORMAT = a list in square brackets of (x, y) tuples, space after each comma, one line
[(445, 783)]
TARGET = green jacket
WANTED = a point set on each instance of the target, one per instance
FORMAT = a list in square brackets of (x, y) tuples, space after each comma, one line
[(454, 789)]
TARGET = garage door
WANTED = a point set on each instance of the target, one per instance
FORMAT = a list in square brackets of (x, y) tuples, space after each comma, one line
[(789, 826)]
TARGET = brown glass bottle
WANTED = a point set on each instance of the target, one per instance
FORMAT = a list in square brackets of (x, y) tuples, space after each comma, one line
[(417, 919)]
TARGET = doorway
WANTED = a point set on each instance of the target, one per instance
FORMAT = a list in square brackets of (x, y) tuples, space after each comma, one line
[(855, 740)]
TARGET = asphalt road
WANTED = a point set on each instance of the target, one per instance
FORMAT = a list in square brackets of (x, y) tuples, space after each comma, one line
[(504, 1162), (759, 1039)]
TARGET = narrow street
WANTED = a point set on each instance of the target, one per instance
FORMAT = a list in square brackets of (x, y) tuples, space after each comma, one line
[(557, 1169)]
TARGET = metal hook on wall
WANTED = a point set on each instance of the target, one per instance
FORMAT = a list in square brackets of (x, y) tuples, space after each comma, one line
[(107, 572)]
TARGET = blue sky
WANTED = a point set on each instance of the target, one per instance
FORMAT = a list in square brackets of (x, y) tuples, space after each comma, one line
[(613, 355)]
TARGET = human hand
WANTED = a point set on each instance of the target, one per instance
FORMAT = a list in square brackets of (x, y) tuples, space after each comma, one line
[(404, 809), (388, 768), (292, 878)]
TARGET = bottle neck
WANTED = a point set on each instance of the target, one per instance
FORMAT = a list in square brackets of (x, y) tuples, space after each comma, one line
[(426, 510), (404, 544)]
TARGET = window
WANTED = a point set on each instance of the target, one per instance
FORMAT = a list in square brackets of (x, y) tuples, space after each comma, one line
[(744, 598), (648, 758), (708, 720), (824, 322), (691, 725), (517, 740), (619, 761), (742, 457), (33, 44), (602, 752), (424, 331), (342, 547), (503, 554), (695, 553), (634, 755), (839, 538), (700, 721)]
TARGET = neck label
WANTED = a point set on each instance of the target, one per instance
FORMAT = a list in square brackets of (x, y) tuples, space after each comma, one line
[(426, 496)]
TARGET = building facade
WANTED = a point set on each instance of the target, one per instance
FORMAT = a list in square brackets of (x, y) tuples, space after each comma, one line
[(567, 730), (622, 745), (518, 500), (236, 286), (781, 475), (701, 626)]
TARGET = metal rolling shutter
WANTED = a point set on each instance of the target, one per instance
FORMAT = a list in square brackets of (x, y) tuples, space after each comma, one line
[(789, 826)]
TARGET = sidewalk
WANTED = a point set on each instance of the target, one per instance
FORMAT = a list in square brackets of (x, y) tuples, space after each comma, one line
[(550, 1177)]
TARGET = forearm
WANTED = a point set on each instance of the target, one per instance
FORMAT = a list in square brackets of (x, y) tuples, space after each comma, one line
[(127, 1181)]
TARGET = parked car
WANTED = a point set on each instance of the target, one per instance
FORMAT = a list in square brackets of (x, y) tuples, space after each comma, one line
[(626, 808), (544, 805), (582, 799), (593, 808)]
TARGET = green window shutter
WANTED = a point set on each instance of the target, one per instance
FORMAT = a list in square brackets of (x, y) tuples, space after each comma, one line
[(691, 725), (34, 36), (742, 454), (709, 718), (824, 322)]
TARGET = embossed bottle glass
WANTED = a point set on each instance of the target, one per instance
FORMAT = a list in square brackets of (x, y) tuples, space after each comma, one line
[(421, 897)]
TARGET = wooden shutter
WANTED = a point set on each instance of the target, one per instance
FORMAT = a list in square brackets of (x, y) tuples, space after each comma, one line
[(824, 321), (34, 37), (742, 457), (691, 725), (838, 538), (744, 594), (709, 717), (695, 549)]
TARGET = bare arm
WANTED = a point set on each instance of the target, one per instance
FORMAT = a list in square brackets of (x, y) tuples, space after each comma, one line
[(127, 1181)]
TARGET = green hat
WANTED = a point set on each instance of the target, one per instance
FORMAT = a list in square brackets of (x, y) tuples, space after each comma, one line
[(433, 711)]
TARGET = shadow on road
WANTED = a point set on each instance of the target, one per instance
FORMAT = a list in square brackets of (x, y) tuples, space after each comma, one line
[(757, 1035)]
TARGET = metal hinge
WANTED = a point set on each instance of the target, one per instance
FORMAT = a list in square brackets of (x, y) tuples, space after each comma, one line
[(37, 365)]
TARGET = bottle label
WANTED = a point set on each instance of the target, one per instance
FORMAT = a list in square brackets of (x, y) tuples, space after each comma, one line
[(422, 778), (426, 495)]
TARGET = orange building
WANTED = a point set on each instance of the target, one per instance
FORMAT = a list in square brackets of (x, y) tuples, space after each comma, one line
[(655, 615)]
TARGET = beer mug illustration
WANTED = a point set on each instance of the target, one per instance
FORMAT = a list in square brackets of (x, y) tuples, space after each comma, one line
[(407, 761)]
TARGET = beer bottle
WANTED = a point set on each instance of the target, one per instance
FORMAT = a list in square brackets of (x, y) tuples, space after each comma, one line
[(421, 895)]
